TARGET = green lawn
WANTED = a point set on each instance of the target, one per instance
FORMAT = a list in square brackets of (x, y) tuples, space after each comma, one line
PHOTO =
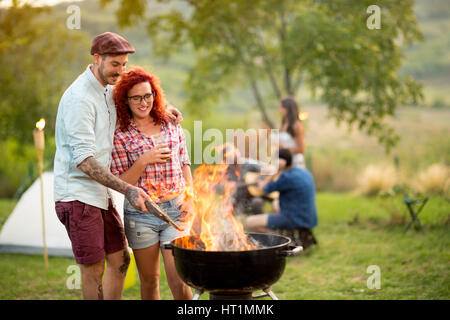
[(354, 233)]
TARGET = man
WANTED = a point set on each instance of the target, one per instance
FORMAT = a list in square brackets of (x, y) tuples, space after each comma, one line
[(84, 133), (297, 201), (238, 168)]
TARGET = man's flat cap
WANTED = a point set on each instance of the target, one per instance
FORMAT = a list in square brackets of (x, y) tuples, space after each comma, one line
[(111, 43)]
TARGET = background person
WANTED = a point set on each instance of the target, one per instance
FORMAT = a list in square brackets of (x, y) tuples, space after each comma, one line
[(297, 201), (291, 134), (238, 167), (162, 170)]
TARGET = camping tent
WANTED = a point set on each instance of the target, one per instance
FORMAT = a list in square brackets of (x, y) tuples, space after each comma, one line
[(22, 232)]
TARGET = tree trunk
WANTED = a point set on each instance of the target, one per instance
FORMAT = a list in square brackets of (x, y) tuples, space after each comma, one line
[(259, 101)]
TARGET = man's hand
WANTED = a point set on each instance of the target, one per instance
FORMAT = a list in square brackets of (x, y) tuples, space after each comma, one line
[(137, 197), (187, 209), (261, 184), (174, 114)]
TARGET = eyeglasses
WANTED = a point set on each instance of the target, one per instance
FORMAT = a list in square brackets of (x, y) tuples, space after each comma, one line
[(147, 98)]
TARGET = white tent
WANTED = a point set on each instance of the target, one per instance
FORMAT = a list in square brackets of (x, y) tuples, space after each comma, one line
[(22, 232)]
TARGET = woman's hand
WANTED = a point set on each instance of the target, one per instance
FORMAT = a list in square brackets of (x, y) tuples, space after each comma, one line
[(159, 154)]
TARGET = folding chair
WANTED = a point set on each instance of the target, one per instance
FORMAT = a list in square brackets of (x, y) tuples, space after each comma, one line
[(410, 203)]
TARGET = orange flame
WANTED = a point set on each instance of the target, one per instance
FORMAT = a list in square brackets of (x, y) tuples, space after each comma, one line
[(213, 226)]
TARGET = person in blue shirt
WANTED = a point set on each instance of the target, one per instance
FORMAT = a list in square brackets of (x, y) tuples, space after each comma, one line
[(297, 200)]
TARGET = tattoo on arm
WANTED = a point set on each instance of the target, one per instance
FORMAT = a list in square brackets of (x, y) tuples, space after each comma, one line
[(102, 175), (132, 196)]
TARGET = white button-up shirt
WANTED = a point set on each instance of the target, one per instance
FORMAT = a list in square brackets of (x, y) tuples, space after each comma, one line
[(85, 127)]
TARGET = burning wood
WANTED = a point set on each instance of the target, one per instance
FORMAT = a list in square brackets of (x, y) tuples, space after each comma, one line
[(213, 226)]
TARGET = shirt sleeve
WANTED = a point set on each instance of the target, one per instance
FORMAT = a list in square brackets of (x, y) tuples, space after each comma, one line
[(119, 159), (79, 121), (281, 184), (183, 154)]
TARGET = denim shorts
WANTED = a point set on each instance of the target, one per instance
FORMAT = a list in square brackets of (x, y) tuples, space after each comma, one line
[(279, 221), (144, 229)]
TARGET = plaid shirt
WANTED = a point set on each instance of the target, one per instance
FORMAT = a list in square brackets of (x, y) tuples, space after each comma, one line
[(159, 179)]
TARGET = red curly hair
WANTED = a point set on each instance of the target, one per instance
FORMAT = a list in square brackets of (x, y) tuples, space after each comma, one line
[(127, 81)]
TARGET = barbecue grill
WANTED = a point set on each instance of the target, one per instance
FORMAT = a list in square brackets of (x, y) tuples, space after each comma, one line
[(230, 275)]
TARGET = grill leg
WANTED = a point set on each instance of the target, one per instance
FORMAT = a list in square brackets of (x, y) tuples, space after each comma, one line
[(197, 294), (271, 294), (259, 295)]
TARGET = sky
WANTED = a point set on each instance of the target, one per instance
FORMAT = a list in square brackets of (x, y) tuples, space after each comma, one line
[(7, 3)]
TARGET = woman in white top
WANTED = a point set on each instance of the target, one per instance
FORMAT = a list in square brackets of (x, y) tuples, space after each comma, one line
[(291, 131)]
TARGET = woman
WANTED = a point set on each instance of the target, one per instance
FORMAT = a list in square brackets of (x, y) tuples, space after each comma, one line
[(162, 170), (291, 131)]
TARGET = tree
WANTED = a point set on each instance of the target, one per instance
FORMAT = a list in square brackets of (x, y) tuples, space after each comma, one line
[(36, 56), (280, 45)]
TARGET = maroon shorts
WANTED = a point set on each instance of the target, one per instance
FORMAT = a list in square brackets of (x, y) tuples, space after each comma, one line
[(94, 232)]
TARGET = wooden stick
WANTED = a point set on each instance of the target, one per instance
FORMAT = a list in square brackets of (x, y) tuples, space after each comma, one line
[(41, 167), (39, 143)]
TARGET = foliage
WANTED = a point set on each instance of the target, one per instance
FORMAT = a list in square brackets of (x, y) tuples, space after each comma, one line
[(19, 168), (36, 55), (6, 207), (16, 166), (280, 45)]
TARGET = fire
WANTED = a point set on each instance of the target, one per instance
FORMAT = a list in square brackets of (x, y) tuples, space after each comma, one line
[(156, 191), (40, 124), (213, 226)]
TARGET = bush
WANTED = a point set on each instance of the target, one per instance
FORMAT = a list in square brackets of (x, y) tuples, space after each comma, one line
[(18, 168), (333, 169), (376, 179), (434, 180), (439, 103), (16, 164)]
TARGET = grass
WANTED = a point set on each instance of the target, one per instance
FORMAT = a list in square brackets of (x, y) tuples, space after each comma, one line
[(354, 233)]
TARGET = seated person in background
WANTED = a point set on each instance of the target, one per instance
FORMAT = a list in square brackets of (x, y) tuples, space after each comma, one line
[(238, 167), (297, 202)]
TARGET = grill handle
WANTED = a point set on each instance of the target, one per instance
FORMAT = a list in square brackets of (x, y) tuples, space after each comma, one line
[(291, 252)]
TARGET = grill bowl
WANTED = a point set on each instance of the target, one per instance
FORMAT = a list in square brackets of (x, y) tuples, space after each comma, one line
[(234, 271)]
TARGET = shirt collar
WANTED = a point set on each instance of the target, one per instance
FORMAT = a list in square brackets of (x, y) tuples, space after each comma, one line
[(93, 80), (132, 125)]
